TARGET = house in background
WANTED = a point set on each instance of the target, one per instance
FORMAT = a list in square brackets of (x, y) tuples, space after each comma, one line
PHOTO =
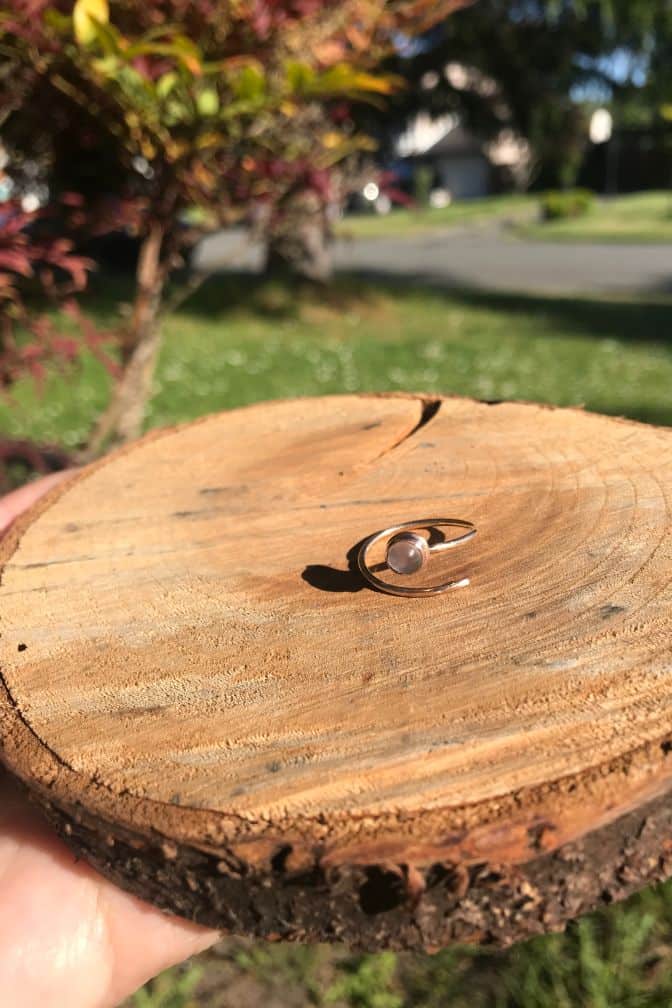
[(463, 165), (460, 165)]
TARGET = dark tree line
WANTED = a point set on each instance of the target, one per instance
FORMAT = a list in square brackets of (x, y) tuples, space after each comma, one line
[(535, 67)]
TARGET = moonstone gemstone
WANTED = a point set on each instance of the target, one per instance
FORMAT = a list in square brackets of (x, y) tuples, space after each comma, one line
[(404, 556)]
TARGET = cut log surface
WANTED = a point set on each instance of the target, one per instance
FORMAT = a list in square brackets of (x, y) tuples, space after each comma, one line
[(215, 710)]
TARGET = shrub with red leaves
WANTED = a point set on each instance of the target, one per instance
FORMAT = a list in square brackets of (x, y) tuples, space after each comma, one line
[(149, 110), (48, 269)]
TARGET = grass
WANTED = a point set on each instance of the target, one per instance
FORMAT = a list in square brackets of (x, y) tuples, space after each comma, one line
[(618, 958), (400, 222), (238, 341), (639, 218)]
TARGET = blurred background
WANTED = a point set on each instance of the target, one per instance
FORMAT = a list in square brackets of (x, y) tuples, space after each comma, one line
[(204, 203)]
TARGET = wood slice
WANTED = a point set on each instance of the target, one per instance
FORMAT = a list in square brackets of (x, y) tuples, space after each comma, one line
[(216, 711)]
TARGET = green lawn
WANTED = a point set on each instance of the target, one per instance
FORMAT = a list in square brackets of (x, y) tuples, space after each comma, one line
[(237, 342), (639, 218), (399, 222), (621, 958)]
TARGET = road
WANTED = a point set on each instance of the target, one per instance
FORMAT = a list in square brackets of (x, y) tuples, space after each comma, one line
[(488, 260)]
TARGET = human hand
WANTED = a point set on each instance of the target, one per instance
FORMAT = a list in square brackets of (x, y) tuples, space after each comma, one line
[(68, 937)]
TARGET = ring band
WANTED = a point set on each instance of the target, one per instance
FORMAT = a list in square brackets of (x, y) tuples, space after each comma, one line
[(407, 552)]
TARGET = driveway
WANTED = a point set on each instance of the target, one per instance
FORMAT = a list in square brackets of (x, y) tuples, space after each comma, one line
[(485, 259)]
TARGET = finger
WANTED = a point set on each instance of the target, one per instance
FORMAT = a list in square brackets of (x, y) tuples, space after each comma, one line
[(13, 504), (95, 944)]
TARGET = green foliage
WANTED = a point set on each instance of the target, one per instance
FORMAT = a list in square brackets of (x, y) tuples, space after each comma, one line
[(423, 176), (403, 221), (238, 341), (448, 978), (368, 981), (523, 64), (618, 958), (600, 962), (225, 105), (202, 104), (285, 966), (142, 113), (636, 218), (564, 204), (147, 111), (173, 989)]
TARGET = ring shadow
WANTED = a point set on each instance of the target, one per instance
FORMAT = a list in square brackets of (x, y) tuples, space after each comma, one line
[(331, 579)]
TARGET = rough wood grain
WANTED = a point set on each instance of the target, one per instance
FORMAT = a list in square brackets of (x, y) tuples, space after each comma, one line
[(219, 714)]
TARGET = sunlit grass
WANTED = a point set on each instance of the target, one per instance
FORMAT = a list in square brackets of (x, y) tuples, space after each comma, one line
[(639, 218), (237, 343), (618, 958), (404, 221)]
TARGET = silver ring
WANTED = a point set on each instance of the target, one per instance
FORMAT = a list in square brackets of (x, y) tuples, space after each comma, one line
[(408, 552)]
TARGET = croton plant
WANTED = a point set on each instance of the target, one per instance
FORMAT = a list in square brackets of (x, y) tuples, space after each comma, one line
[(144, 116)]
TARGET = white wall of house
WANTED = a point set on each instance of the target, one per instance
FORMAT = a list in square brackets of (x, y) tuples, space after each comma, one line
[(465, 177)]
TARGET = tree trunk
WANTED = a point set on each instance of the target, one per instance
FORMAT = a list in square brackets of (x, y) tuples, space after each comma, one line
[(299, 246), (218, 713), (123, 418)]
